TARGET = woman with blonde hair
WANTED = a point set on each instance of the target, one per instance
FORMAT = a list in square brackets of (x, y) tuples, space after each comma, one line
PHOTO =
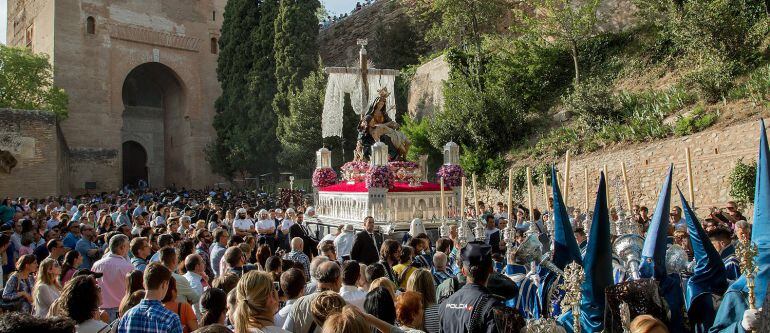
[(647, 324), (349, 320), (385, 283), (421, 281), (257, 302), (47, 289)]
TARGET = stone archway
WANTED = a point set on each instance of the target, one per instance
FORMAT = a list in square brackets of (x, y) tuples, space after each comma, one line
[(134, 163), (154, 104)]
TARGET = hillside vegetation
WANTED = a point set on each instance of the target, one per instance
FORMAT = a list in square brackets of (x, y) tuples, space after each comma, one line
[(526, 94)]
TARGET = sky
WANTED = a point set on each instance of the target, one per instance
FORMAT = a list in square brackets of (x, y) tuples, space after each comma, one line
[(333, 6)]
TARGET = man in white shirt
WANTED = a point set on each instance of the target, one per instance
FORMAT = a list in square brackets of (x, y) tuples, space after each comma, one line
[(265, 228), (196, 272), (344, 241), (351, 271), (242, 225), (293, 286)]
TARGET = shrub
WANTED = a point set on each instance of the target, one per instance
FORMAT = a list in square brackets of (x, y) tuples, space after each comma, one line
[(418, 133), (743, 181), (593, 102), (698, 120), (756, 87), (712, 77)]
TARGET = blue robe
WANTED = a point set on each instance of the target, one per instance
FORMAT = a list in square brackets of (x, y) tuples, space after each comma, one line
[(732, 265), (730, 313), (672, 291), (527, 303)]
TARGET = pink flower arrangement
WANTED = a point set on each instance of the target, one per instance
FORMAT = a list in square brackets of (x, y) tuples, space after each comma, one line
[(379, 177), (452, 174), (403, 165), (323, 177), (355, 171)]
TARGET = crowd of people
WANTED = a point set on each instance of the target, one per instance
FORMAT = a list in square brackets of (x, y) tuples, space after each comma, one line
[(221, 261)]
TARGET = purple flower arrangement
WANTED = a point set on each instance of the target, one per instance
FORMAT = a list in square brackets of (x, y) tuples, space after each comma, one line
[(379, 177), (403, 165), (323, 177), (452, 174)]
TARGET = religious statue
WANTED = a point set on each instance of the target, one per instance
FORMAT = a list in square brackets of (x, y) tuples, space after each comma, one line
[(376, 126)]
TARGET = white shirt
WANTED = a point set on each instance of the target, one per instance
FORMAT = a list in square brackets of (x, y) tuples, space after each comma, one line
[(195, 281), (353, 296), (344, 243), (265, 224), (286, 224), (244, 224), (280, 317), (328, 237)]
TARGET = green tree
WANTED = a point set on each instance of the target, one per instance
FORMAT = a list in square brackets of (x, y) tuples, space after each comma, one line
[(303, 122), (296, 49), (232, 152), (464, 24), (569, 21), (26, 82)]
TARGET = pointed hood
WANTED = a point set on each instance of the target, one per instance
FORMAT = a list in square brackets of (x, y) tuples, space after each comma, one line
[(653, 263), (709, 274), (597, 264), (760, 229), (565, 246)]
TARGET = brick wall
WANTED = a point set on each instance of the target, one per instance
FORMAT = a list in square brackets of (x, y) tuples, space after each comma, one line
[(714, 154), (33, 139)]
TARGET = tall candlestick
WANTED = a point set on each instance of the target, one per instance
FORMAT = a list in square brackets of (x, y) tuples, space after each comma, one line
[(585, 186), (462, 198), (529, 196), (625, 186), (510, 194), (545, 193), (475, 196), (442, 198), (565, 185), (690, 180)]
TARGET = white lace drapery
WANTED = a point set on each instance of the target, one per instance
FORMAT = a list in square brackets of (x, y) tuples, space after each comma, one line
[(340, 84)]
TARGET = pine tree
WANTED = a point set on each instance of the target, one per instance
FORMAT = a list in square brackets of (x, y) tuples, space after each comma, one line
[(296, 50)]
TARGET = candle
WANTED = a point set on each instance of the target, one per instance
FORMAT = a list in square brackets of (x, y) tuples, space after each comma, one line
[(475, 195), (462, 198), (510, 194), (690, 181), (442, 198), (565, 185), (529, 196), (625, 185)]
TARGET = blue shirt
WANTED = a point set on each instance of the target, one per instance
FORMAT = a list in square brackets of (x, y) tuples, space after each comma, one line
[(70, 240), (83, 246), (150, 316), (217, 252), (139, 263)]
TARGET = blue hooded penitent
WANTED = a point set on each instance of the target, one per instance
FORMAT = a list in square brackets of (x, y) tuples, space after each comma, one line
[(597, 266), (709, 275), (565, 246), (653, 263), (735, 301)]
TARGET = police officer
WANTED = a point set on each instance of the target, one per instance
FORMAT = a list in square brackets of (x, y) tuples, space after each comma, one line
[(469, 310)]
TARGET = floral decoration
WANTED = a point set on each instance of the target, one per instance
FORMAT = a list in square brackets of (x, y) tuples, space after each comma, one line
[(452, 174), (354, 171), (323, 177), (405, 171), (379, 177)]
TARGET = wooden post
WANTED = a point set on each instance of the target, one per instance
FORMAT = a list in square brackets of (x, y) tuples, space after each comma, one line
[(363, 61), (585, 185), (510, 194), (690, 180), (607, 185), (545, 192), (529, 196), (565, 184), (475, 196), (625, 186)]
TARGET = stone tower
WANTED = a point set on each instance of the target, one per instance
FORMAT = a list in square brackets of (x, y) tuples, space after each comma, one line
[(141, 81)]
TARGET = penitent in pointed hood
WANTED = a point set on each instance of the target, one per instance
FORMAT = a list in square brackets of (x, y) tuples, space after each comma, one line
[(597, 264), (565, 246), (653, 263), (760, 230), (709, 274)]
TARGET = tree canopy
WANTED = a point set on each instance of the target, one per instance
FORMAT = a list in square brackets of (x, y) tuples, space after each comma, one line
[(26, 82)]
